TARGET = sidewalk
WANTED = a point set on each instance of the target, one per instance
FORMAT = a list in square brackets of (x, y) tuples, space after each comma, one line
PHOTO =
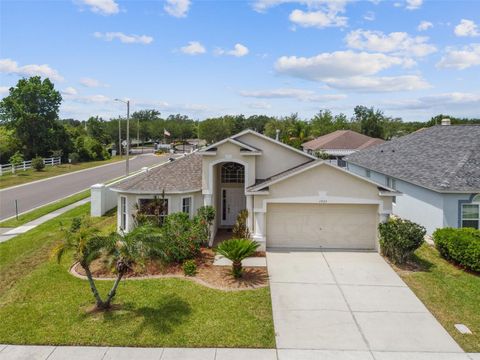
[(34, 223), (24, 352)]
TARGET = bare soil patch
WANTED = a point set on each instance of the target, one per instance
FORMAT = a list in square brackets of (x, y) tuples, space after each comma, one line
[(218, 277)]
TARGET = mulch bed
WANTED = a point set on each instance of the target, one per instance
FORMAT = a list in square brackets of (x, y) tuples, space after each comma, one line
[(218, 277)]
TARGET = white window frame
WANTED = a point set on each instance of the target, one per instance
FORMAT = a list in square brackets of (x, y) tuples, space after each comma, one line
[(123, 213), (475, 202), (190, 212)]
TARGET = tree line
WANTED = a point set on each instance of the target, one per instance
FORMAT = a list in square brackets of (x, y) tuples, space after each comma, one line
[(30, 126)]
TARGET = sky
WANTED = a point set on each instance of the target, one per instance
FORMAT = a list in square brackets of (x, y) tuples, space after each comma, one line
[(411, 58)]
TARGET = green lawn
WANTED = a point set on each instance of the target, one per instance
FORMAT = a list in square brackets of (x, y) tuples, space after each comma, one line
[(41, 303), (451, 294), (23, 177)]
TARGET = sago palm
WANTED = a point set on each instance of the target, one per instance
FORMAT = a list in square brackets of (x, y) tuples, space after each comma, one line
[(237, 250)]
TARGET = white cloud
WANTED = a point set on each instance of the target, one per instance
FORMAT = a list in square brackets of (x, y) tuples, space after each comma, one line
[(261, 105), (437, 100), (467, 28), (126, 39), (9, 66), (292, 93), (238, 50), (92, 83), (193, 48), (177, 8), (94, 99), (461, 59), (104, 7), (369, 16), (424, 25), (413, 4), (398, 43), (333, 5), (69, 91), (338, 64), (379, 83), (318, 19)]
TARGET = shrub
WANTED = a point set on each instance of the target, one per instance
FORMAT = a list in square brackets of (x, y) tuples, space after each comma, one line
[(237, 250), (38, 164), (189, 267), (204, 221), (74, 158), (179, 239), (240, 229), (461, 246), (400, 238), (16, 159)]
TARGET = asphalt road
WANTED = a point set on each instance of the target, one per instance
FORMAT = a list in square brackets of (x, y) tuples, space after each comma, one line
[(30, 196)]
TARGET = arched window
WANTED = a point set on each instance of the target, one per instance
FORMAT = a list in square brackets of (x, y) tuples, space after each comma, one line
[(471, 213), (232, 173)]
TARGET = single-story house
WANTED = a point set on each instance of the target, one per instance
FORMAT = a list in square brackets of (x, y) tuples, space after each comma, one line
[(339, 144), (436, 169), (293, 199)]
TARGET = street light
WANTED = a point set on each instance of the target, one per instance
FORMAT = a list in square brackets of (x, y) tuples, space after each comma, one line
[(128, 135)]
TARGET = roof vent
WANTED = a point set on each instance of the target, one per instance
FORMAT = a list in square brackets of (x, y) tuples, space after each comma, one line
[(446, 122), (277, 134)]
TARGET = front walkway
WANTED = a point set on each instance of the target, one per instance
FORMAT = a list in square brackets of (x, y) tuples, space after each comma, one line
[(350, 305)]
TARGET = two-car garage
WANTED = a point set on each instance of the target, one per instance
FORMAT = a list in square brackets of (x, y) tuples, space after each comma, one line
[(329, 226)]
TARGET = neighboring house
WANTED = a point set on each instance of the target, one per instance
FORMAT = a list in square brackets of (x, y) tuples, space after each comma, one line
[(436, 169), (339, 144), (293, 199)]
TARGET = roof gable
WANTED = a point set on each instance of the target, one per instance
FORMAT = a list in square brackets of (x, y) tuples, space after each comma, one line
[(305, 167), (276, 142)]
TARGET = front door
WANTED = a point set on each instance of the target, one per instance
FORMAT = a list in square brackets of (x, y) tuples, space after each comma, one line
[(233, 200)]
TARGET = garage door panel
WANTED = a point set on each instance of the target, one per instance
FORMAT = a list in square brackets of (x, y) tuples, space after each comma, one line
[(321, 226)]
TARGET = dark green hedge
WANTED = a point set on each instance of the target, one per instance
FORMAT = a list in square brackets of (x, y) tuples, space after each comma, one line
[(400, 238), (461, 246)]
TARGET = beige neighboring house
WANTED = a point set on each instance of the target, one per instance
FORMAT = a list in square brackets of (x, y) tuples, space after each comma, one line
[(339, 144), (294, 200)]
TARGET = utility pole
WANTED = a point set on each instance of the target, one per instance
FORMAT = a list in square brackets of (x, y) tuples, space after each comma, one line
[(119, 137), (127, 165)]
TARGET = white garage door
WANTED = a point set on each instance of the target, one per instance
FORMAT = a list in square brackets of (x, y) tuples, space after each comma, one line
[(322, 226)]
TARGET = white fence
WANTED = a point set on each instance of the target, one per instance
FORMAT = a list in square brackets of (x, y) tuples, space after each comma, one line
[(28, 165)]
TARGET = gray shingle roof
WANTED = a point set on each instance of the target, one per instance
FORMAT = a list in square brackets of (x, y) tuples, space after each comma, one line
[(181, 175), (442, 158)]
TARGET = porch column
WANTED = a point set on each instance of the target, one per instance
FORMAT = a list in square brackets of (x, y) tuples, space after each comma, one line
[(250, 213), (207, 199), (259, 235)]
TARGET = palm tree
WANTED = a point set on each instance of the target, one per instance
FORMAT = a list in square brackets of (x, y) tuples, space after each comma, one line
[(123, 250), (87, 244), (237, 250)]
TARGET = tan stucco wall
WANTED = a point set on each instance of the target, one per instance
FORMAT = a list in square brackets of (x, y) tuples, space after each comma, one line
[(275, 158), (228, 152), (322, 178)]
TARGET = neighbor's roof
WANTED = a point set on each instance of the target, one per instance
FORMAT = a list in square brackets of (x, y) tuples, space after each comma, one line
[(181, 175), (441, 158), (342, 139)]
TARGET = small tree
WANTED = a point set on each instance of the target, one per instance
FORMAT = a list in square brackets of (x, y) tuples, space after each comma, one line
[(322, 155), (38, 164), (240, 229), (123, 250), (15, 160), (206, 216), (237, 250)]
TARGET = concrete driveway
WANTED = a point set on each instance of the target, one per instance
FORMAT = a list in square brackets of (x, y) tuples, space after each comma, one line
[(350, 305)]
